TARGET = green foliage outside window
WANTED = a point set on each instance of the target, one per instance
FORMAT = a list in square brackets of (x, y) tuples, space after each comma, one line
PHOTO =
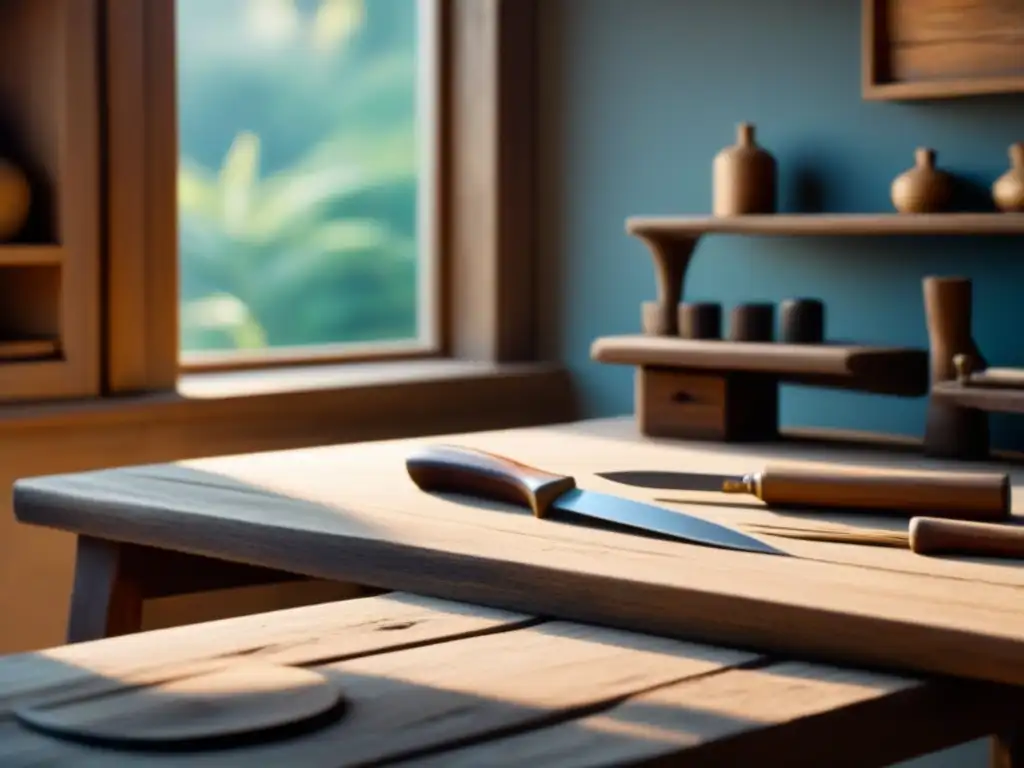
[(298, 179)]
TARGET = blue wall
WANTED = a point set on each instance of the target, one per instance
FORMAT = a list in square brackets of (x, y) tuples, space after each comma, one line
[(639, 95)]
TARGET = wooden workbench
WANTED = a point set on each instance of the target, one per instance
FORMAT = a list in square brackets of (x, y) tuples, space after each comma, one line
[(435, 683), (351, 513)]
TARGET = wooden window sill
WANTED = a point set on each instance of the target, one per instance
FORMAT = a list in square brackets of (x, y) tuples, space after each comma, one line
[(318, 377), (237, 412)]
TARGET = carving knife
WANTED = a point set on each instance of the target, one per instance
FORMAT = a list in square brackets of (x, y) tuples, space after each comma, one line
[(983, 496), (452, 469)]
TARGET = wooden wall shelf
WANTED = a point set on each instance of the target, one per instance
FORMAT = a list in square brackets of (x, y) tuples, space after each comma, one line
[(29, 349), (811, 225), (935, 49), (728, 390), (882, 370), (673, 239), (49, 127), (31, 255)]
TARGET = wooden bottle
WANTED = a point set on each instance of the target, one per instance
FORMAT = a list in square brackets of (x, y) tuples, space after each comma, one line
[(744, 177), (1008, 191), (923, 188)]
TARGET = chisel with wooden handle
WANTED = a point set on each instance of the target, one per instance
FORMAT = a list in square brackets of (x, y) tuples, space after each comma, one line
[(983, 496), (934, 536)]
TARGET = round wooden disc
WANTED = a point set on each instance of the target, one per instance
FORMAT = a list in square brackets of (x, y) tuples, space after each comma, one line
[(241, 699)]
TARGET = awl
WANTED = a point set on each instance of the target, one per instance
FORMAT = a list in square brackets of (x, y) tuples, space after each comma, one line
[(961, 495), (445, 468), (924, 536)]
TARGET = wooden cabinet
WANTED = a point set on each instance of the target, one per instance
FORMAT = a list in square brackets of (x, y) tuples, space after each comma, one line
[(49, 276), (921, 49)]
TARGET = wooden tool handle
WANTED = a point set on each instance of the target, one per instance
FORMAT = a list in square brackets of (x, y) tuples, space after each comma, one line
[(933, 536), (962, 495), (483, 475)]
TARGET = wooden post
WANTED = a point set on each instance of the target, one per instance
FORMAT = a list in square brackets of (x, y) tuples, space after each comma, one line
[(952, 431), (671, 260)]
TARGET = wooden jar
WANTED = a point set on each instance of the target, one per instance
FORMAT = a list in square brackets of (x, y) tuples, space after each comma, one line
[(744, 177), (923, 188), (1008, 191)]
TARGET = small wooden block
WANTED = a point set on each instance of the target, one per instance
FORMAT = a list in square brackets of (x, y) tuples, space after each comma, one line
[(695, 320), (700, 320), (193, 709), (802, 321), (752, 322), (691, 405)]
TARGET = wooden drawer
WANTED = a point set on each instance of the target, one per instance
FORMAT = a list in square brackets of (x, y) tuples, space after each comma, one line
[(706, 406)]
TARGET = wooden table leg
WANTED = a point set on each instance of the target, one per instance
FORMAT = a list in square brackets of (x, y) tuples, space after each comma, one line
[(113, 579), (106, 599), (1007, 750)]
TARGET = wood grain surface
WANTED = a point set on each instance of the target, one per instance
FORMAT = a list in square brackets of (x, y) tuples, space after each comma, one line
[(436, 683), (351, 513)]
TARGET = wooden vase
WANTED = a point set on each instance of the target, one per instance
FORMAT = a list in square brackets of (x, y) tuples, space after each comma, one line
[(744, 177), (923, 188), (1008, 191), (15, 198)]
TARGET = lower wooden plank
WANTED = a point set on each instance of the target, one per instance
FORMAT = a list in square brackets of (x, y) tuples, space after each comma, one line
[(297, 636), (415, 701), (794, 713)]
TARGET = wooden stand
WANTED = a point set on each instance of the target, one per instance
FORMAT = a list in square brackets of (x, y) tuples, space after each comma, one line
[(49, 128), (703, 389), (710, 389)]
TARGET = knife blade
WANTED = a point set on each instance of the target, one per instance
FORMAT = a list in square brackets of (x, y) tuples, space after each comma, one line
[(454, 469), (669, 481)]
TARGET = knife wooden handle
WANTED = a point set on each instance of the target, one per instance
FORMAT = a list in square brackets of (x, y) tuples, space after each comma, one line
[(961, 495), (448, 468), (934, 536)]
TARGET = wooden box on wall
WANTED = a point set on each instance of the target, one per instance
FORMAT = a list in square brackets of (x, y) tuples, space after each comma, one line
[(49, 128), (933, 49)]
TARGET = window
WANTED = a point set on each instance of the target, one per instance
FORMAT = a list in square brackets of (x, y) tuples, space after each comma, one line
[(430, 254), (306, 149)]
